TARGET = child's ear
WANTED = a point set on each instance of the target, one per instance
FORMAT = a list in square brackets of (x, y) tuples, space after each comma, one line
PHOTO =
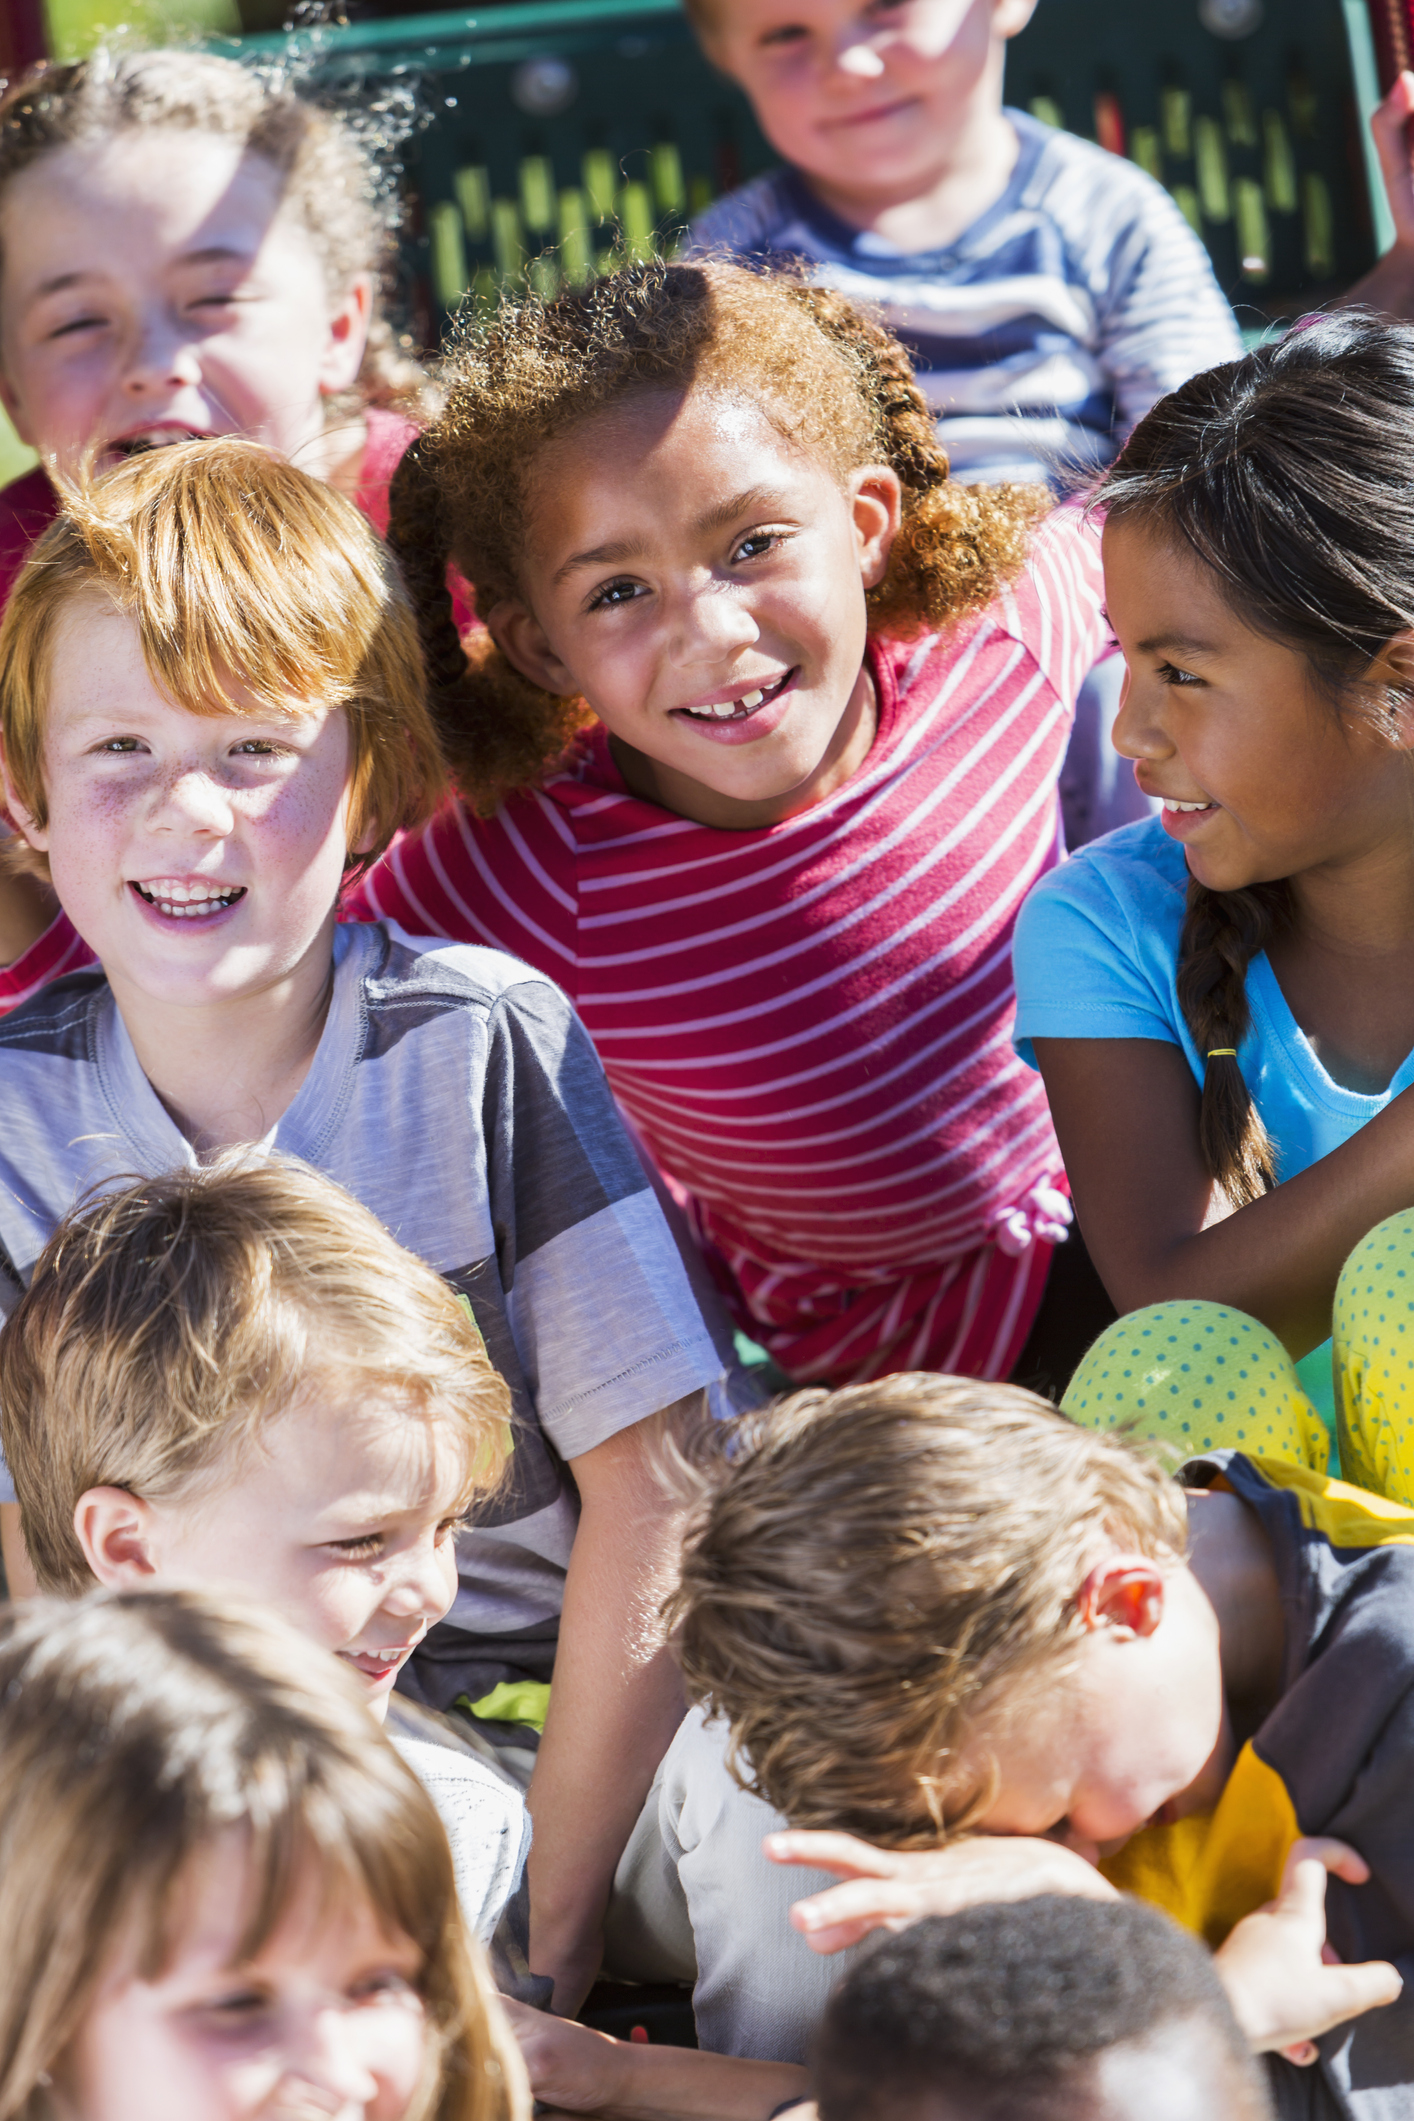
[(877, 501), (114, 1530), (1393, 669), (348, 335), (1122, 1591), (522, 641), (22, 818), (1010, 17)]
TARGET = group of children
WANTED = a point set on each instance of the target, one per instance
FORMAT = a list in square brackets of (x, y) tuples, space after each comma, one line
[(468, 1047)]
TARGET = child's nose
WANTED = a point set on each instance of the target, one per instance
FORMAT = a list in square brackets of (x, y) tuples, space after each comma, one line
[(322, 2052), (422, 1590), (1138, 732), (192, 801), (160, 358), (858, 57), (715, 621)]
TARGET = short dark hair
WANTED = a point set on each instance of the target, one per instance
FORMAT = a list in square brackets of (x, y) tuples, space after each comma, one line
[(1013, 1998)]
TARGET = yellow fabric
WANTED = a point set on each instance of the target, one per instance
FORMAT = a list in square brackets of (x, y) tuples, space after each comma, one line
[(1349, 1518), (1201, 1377), (513, 1701), (1211, 1869)]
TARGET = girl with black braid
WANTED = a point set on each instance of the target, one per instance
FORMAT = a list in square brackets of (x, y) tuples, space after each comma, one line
[(1221, 1000)]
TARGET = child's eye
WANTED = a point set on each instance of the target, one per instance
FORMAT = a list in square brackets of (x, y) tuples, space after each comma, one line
[(789, 33), (361, 1549), (612, 594), (758, 543), (255, 747), (1170, 674), (385, 1986), (119, 746), (454, 1524)]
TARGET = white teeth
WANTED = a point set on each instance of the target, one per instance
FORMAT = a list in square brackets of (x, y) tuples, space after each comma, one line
[(1171, 805), (722, 709), (190, 901), (752, 699)]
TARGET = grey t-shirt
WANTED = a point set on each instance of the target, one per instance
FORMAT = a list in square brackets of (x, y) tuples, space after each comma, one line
[(456, 1094), (487, 1824)]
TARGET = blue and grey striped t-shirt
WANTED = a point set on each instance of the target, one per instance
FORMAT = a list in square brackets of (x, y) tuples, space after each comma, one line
[(1047, 329)]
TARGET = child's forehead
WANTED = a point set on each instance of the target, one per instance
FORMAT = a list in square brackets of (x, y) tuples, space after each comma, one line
[(93, 637), (346, 1437)]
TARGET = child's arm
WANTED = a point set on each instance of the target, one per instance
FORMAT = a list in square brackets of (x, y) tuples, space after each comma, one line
[(614, 1705), (1126, 1114), (583, 2072), (1389, 285)]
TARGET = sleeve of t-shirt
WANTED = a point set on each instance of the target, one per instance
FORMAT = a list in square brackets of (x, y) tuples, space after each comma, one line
[(509, 881), (1056, 605), (1079, 972), (59, 950), (605, 1323), (1162, 315), (486, 1822)]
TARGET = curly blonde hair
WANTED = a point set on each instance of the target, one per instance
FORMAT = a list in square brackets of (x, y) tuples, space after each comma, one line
[(832, 380), (331, 182), (874, 1574)]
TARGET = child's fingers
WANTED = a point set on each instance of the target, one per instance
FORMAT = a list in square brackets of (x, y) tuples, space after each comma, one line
[(1350, 1991), (863, 1905), (1303, 1882), (844, 1854)]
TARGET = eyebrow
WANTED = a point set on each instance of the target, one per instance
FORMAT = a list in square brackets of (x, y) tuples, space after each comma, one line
[(1182, 641), (753, 500), (211, 253)]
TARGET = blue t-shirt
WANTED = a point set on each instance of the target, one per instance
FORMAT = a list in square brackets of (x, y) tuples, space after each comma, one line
[(1096, 956)]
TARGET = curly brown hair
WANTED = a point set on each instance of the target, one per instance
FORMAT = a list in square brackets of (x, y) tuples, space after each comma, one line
[(831, 379), (875, 1578)]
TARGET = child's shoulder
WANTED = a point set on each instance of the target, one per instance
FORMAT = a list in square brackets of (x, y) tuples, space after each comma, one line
[(401, 971), (1084, 188), (54, 1020), (1138, 870), (28, 505), (755, 219)]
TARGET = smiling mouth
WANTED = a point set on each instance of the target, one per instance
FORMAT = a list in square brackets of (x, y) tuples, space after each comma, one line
[(740, 709), (189, 902), (1170, 804), (375, 1666), (160, 437)]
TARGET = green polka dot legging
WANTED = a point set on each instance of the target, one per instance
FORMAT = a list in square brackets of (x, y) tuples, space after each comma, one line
[(1202, 1377)]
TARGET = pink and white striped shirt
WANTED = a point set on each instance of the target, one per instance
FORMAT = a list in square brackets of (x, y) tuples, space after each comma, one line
[(810, 1024)]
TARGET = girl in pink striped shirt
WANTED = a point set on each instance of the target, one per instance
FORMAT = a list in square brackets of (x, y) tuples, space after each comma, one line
[(758, 760)]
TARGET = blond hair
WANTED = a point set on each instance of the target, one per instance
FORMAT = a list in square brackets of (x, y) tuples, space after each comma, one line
[(166, 1323), (137, 1728), (331, 181), (873, 1570), (832, 380), (255, 589)]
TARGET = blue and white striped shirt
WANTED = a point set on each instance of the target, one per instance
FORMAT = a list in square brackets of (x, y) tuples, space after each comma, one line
[(1047, 329)]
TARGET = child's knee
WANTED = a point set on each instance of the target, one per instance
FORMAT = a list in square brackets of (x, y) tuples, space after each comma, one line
[(1202, 1377)]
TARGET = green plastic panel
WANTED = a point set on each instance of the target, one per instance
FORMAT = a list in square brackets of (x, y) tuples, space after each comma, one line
[(566, 135)]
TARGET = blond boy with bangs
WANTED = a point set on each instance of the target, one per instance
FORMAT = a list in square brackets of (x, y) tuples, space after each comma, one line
[(929, 1608), (232, 1378), (212, 715)]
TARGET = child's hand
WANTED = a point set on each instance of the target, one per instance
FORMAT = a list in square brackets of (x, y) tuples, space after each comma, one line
[(569, 2065), (889, 1888), (1389, 126), (1282, 1978)]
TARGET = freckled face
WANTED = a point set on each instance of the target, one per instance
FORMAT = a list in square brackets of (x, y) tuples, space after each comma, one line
[(324, 2021), (199, 856), (702, 584)]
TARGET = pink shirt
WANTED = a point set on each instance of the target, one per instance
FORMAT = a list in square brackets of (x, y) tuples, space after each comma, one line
[(810, 1024)]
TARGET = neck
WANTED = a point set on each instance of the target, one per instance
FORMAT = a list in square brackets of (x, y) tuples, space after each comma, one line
[(336, 454), (849, 748), (1363, 907), (968, 172), (1231, 1558), (227, 1071)]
